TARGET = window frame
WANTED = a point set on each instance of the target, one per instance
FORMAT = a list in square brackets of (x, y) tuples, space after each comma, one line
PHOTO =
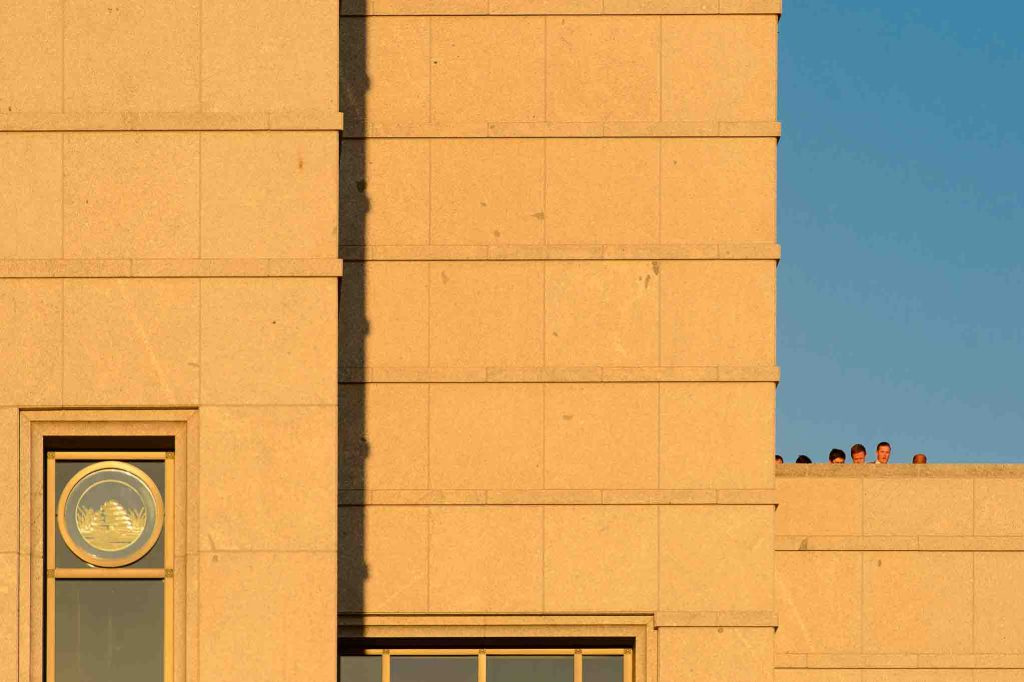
[(36, 425), (481, 655), (165, 573)]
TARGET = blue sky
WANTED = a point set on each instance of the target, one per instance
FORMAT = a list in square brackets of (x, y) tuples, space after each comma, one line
[(901, 188)]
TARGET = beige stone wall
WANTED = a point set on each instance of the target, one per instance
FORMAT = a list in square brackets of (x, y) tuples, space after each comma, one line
[(904, 572), (558, 312), (169, 238)]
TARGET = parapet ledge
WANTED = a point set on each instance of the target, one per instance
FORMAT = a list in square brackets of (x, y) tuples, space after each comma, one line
[(171, 121), (356, 8), (899, 471)]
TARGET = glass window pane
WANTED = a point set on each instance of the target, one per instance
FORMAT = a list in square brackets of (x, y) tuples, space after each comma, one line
[(109, 630), (360, 669), (433, 668), (602, 669), (529, 668)]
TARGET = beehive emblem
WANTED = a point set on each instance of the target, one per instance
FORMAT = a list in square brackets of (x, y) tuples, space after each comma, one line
[(111, 527)]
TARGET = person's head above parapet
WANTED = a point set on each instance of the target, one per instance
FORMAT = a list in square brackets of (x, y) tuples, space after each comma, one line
[(803, 459), (837, 456), (920, 458), (882, 453), (858, 453)]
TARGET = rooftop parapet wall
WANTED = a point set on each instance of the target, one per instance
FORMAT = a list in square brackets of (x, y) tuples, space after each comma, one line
[(906, 572), (903, 506)]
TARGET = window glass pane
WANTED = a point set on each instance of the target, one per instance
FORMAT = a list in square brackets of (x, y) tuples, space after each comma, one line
[(529, 668), (433, 668), (602, 669), (109, 630), (360, 669)]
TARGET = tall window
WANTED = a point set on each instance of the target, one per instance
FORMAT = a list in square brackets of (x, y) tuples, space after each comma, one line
[(109, 565)]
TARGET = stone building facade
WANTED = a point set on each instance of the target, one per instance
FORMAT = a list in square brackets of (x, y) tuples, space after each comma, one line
[(530, 424), (558, 310)]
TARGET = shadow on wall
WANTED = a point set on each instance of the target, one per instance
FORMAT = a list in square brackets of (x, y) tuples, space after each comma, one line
[(353, 205)]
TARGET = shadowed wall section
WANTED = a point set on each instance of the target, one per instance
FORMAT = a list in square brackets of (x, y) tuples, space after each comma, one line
[(557, 353)]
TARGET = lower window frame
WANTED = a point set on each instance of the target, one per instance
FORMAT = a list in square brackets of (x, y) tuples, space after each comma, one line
[(482, 653)]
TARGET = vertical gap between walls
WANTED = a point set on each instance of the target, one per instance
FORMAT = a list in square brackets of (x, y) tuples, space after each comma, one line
[(543, 557), (430, 484), (974, 592), (544, 435), (63, 191), (200, 106), (199, 246), (657, 571), (658, 422), (63, 51), (430, 196), (661, 66), (661, 194), (430, 69), (199, 370), (63, 345), (545, 20), (429, 530), (544, 190)]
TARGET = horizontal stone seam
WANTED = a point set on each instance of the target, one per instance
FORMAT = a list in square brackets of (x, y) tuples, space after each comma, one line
[(521, 375), (169, 268), (705, 8), (923, 471), (667, 618), (678, 619), (487, 618), (203, 550), (920, 543), (528, 252), (554, 130), (77, 407), (1014, 664), (563, 13), (549, 503), (480, 498), (170, 122)]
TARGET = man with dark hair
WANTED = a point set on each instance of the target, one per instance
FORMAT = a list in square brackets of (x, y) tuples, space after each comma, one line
[(920, 458), (803, 459), (858, 453), (837, 456), (778, 459), (882, 453)]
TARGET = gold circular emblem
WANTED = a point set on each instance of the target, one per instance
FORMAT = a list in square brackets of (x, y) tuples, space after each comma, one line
[(110, 514)]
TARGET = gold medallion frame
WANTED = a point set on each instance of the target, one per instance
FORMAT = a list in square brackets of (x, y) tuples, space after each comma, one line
[(84, 554)]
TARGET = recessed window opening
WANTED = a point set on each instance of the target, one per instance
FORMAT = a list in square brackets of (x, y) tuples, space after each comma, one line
[(109, 557), (508, 660)]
